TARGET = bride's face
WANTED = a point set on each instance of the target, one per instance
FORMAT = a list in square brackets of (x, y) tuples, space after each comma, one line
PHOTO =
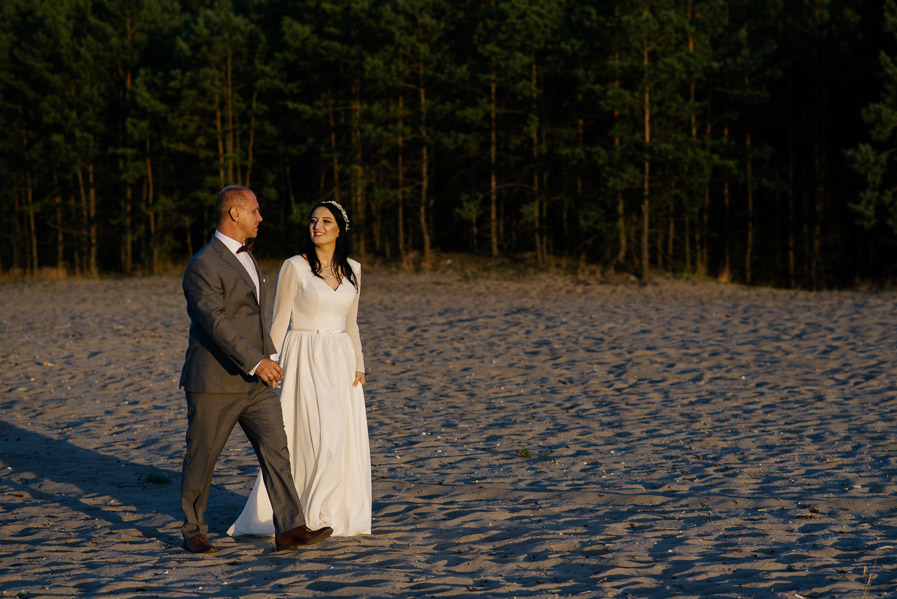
[(323, 227)]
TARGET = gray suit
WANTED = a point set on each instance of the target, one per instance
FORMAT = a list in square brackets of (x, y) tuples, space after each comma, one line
[(228, 337)]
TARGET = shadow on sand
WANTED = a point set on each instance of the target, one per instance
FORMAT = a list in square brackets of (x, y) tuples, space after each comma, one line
[(67, 478)]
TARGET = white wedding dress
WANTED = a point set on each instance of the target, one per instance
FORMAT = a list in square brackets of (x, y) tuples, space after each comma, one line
[(316, 335)]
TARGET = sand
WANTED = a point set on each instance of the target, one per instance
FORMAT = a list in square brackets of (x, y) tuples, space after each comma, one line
[(539, 437)]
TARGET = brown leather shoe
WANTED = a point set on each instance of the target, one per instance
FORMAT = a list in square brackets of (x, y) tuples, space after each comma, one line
[(301, 535), (199, 544)]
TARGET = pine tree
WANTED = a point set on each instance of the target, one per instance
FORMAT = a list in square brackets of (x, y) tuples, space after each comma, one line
[(877, 202)]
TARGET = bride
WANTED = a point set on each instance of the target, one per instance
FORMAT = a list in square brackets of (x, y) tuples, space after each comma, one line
[(316, 336)]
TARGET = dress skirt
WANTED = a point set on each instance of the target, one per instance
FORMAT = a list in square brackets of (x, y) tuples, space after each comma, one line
[(326, 428)]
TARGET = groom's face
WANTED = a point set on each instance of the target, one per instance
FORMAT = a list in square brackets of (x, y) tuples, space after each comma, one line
[(248, 217)]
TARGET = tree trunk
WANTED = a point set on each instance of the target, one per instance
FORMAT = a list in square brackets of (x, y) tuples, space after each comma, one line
[(189, 237), (250, 148), (94, 226), (89, 218), (671, 233), (400, 175), (29, 206), (547, 248), (218, 125), (127, 235), (425, 165), (32, 228), (291, 194), (726, 273), (537, 210), (493, 157), (493, 163), (580, 142), (80, 208), (127, 250), (819, 215), (819, 151), (748, 254), (621, 207), (791, 240), (229, 112), (693, 121), (702, 235), (335, 159), (150, 191), (17, 235), (60, 237), (646, 189), (705, 227), (357, 169)]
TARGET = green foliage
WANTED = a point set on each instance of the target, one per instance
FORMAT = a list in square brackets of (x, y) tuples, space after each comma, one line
[(512, 125), (877, 201), (470, 208)]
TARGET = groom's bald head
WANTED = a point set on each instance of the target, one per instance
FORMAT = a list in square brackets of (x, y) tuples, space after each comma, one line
[(232, 196)]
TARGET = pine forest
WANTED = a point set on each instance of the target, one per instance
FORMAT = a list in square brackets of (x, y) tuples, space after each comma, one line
[(746, 140)]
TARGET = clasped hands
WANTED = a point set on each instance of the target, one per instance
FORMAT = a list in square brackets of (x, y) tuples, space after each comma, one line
[(269, 372)]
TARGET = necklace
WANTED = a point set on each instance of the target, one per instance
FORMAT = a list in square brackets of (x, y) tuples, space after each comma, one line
[(324, 271)]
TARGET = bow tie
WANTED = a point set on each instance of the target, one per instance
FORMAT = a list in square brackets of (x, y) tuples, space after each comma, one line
[(245, 248)]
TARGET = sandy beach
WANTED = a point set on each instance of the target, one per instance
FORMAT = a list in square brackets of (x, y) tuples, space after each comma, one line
[(538, 437)]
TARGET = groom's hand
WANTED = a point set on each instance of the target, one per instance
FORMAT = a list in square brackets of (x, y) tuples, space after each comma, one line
[(269, 372)]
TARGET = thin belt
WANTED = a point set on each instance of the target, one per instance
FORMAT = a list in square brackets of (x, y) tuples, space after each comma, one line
[(321, 331)]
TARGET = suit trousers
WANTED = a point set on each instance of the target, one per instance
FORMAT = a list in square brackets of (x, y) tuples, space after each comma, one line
[(210, 419)]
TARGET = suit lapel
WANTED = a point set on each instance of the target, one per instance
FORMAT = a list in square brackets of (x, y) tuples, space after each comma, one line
[(258, 273), (263, 295), (235, 263)]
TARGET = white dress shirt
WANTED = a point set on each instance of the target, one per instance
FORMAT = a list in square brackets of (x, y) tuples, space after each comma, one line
[(233, 245)]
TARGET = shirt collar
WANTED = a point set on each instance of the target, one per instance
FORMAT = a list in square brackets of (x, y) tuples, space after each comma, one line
[(232, 244)]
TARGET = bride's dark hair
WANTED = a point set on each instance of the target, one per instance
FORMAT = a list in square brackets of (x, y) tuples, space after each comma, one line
[(343, 245)]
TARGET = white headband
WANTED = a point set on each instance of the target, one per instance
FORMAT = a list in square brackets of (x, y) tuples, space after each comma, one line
[(340, 208)]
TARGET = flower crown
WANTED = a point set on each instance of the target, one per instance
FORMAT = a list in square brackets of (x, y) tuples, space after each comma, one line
[(341, 209)]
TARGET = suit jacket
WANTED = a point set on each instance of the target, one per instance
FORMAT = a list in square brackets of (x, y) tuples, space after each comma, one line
[(229, 334)]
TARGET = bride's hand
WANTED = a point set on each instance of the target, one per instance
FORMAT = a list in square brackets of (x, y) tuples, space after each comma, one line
[(359, 378)]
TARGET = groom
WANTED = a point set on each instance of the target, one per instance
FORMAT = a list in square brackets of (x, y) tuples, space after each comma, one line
[(229, 376)]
